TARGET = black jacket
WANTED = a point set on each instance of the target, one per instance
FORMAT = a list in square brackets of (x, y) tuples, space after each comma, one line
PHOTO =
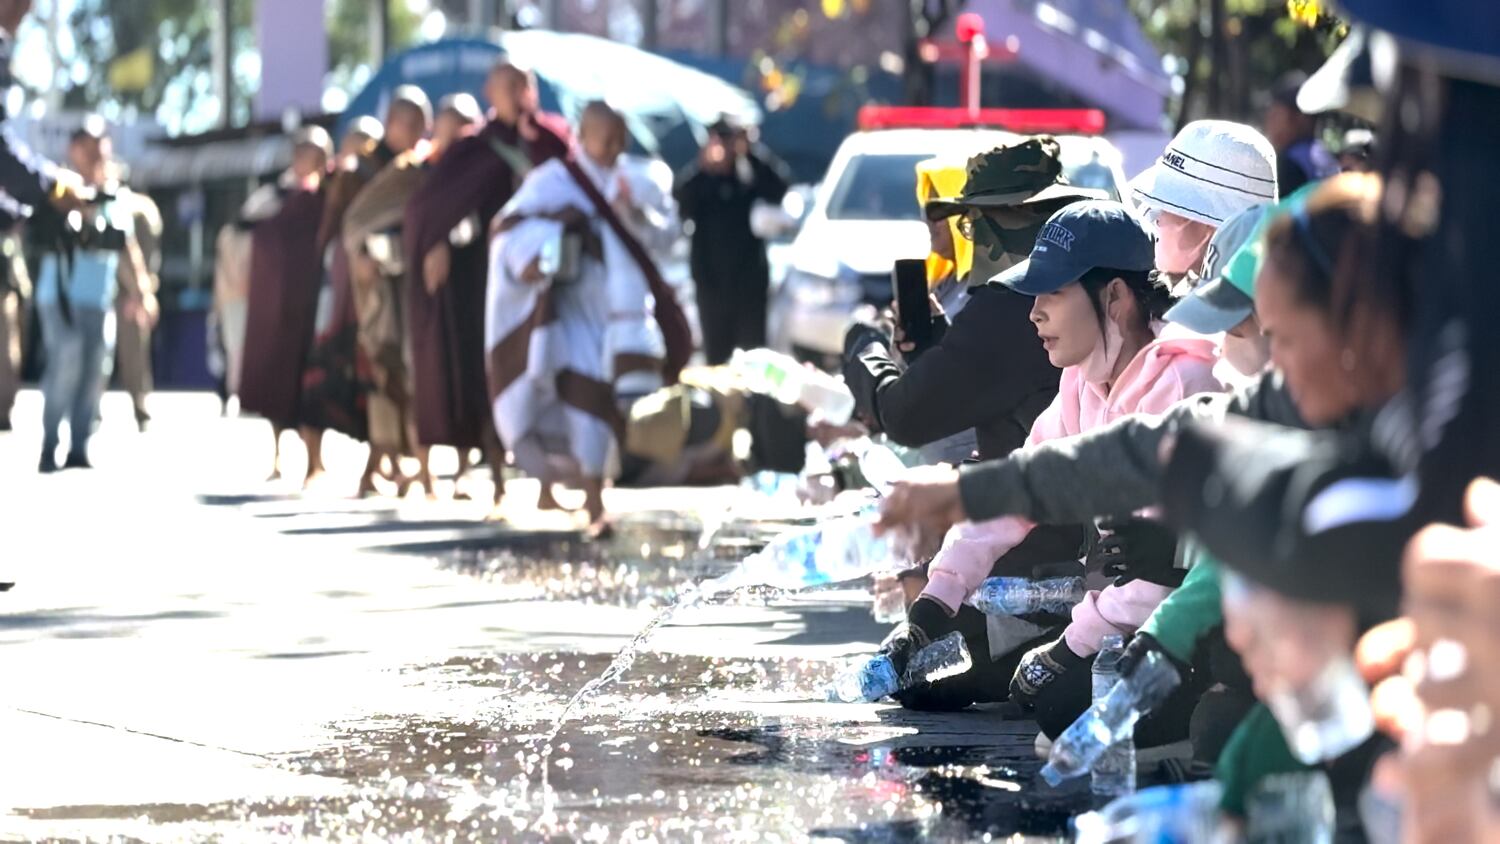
[(724, 249), (988, 372), (1315, 515)]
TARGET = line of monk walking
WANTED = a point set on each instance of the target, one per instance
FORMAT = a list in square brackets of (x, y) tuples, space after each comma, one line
[(388, 291)]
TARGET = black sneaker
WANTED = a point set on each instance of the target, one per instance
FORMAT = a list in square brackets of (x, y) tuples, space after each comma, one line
[(49, 463), (77, 461), (5, 424)]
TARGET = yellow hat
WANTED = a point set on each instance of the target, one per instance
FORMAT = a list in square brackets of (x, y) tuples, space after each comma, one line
[(935, 178)]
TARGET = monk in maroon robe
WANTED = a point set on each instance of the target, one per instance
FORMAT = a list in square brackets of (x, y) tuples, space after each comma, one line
[(335, 379), (446, 241), (285, 275), (339, 377)]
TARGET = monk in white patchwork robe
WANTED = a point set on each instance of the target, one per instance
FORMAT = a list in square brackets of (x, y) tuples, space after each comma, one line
[(571, 328)]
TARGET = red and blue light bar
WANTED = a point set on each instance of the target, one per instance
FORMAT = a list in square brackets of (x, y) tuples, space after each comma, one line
[(1024, 121)]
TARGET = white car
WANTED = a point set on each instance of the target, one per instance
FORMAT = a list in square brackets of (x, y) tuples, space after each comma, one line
[(865, 216)]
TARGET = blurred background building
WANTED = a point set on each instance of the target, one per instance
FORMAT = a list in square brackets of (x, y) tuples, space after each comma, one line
[(202, 93)]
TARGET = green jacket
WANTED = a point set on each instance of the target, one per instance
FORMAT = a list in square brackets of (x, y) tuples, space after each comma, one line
[(1189, 612), (1256, 750)]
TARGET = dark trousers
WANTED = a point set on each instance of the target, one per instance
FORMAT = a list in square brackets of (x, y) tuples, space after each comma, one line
[(731, 316)]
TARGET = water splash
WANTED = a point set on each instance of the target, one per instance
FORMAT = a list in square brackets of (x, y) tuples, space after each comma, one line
[(716, 591), (740, 580), (621, 663)]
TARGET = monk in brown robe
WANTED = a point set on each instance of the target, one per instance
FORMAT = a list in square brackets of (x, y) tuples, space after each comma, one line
[(446, 244), (335, 382), (285, 271), (371, 232)]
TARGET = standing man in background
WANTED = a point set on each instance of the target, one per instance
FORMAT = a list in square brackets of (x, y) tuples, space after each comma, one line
[(730, 272), (137, 310), (75, 297)]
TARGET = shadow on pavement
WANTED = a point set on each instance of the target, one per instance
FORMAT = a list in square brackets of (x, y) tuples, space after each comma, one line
[(537, 541), (307, 654), (86, 616), (833, 626), (379, 526), (240, 500)]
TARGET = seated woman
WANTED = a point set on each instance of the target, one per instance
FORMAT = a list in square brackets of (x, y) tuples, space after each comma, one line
[(1096, 309)]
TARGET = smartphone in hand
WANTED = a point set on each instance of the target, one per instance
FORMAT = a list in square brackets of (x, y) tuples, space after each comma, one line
[(909, 289)]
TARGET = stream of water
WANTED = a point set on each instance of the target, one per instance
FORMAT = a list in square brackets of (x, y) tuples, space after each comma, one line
[(617, 666)]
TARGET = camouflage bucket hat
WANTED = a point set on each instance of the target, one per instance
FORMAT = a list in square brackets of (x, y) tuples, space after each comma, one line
[(1019, 174)]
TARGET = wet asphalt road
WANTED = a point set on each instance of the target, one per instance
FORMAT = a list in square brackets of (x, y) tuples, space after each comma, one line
[(192, 652)]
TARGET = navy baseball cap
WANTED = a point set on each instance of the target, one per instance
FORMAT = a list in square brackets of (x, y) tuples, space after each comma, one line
[(1080, 237)]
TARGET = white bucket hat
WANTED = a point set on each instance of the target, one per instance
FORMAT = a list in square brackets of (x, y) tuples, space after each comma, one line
[(1210, 172)]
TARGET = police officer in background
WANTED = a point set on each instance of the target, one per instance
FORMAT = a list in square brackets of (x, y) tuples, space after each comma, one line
[(730, 270), (27, 181)]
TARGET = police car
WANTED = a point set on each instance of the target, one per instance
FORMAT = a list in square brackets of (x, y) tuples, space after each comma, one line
[(865, 216)]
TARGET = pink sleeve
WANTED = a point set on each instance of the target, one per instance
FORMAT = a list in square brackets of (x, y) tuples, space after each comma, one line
[(1164, 393), (1177, 383), (968, 554), (1049, 423), (1115, 609)]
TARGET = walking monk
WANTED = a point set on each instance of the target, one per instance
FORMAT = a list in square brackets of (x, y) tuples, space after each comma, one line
[(372, 238), (444, 239), (571, 346), (285, 275)]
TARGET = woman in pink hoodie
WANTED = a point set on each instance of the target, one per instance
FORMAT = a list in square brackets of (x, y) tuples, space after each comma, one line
[(1097, 311)]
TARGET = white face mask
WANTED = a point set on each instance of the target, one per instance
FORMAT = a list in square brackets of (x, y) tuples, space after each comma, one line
[(1099, 366), (1180, 244), (1241, 359)]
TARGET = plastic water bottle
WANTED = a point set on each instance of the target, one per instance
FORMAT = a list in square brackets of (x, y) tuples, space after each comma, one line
[(1021, 596), (889, 605), (877, 678), (835, 551), (1291, 809), (1167, 814), (1113, 775), (879, 464), (1110, 719), (1329, 716), (783, 378)]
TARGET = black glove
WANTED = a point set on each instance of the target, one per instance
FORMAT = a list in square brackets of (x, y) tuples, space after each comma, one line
[(1143, 644), (1140, 549), (1040, 668), (927, 621), (935, 337), (859, 336)]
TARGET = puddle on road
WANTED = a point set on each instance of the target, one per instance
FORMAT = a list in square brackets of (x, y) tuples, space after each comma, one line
[(670, 752), (680, 747), (646, 564), (674, 750)]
